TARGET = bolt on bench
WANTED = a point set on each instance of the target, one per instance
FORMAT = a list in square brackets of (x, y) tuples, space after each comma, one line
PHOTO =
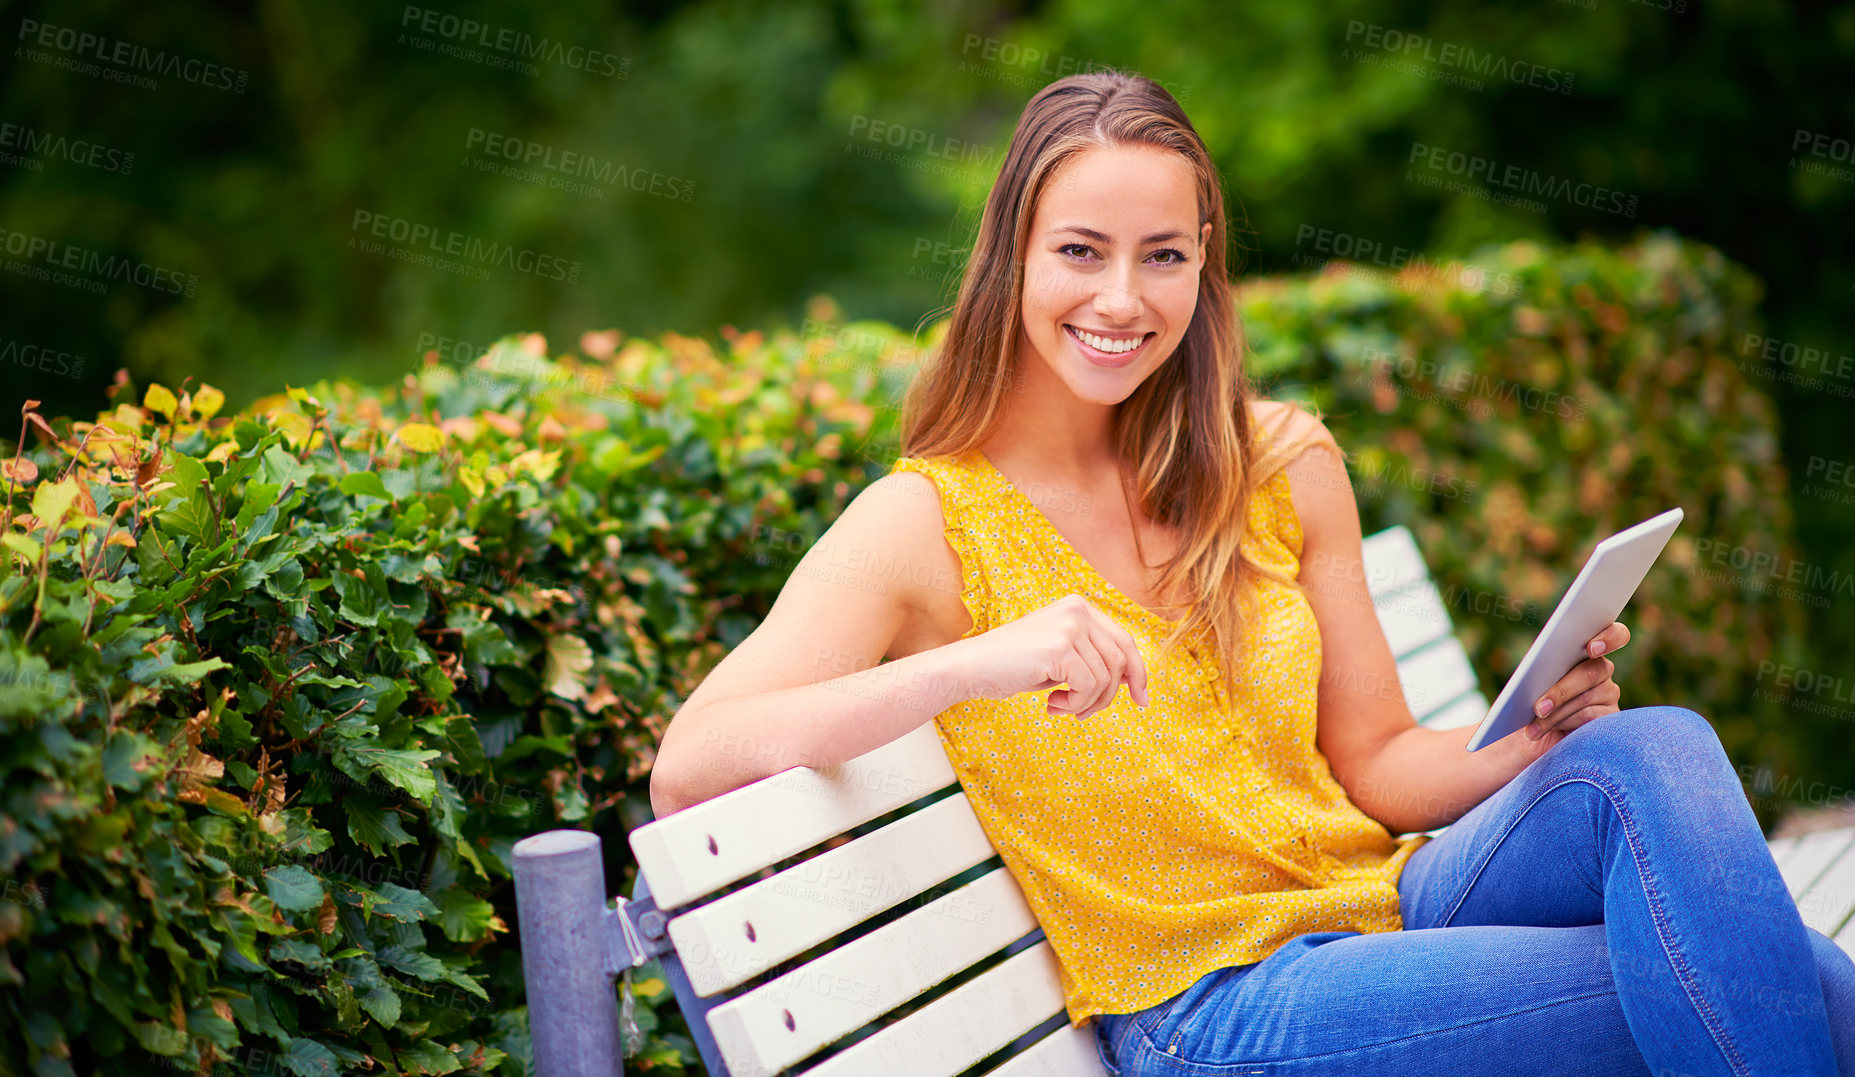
[(795, 916)]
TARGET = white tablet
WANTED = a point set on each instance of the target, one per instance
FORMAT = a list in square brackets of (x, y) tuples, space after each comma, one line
[(1596, 597)]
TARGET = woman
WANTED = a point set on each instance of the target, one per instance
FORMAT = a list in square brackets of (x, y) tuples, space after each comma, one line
[(1211, 854)]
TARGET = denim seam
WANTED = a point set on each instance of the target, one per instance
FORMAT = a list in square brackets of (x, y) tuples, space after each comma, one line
[(1683, 971), (1149, 1044)]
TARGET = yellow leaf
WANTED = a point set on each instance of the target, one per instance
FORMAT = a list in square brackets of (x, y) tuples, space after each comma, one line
[(568, 660), (160, 399), (208, 401), (296, 427), (52, 500), (221, 451), (472, 480), (541, 465), (421, 437), (497, 474)]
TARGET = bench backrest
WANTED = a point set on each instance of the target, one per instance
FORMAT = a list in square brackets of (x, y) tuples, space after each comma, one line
[(855, 920)]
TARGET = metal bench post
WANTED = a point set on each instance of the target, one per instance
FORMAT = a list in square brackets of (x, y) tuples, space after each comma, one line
[(561, 907)]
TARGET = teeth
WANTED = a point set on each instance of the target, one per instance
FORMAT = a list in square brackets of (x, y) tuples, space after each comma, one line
[(1113, 347)]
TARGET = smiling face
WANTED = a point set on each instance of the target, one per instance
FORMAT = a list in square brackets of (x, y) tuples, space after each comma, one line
[(1111, 270)]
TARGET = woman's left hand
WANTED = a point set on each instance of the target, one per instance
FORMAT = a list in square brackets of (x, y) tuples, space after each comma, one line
[(1583, 695)]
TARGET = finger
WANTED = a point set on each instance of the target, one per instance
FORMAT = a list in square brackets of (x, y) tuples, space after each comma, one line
[(1084, 671), (1610, 639), (1584, 675), (1605, 693), (1582, 715), (1108, 650), (1135, 669)]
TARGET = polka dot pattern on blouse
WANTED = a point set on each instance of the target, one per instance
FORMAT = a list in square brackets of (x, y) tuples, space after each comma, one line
[(1156, 845)]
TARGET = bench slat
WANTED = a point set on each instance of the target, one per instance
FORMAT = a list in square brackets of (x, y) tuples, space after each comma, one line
[(861, 980), (1412, 617), (1469, 710), (707, 846), (1435, 677), (1392, 561), (822, 897), (954, 1031), (1813, 856), (1782, 848), (1067, 1052), (1826, 904)]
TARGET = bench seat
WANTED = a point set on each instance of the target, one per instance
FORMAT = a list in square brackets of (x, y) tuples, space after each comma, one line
[(855, 921)]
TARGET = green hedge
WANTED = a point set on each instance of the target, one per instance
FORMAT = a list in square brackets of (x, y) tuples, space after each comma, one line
[(279, 690)]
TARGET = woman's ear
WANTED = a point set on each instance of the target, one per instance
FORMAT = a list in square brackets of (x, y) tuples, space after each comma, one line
[(1204, 236)]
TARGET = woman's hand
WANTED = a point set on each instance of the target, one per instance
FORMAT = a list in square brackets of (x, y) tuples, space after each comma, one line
[(1583, 695), (1067, 642)]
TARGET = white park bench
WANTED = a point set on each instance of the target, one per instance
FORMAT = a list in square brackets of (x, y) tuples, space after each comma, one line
[(793, 916)]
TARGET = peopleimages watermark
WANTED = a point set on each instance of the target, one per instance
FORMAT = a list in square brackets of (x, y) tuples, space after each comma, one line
[(1463, 388), (454, 252), (504, 48), (1764, 571), (89, 270), (1515, 180), (1794, 363), (29, 148), (1021, 65), (1829, 148), (40, 358), (549, 166), (1328, 244), (917, 148), (1806, 690), (120, 61), (1834, 474), (1448, 59)]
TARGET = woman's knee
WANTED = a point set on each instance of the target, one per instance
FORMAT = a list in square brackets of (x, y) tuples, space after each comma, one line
[(1660, 734)]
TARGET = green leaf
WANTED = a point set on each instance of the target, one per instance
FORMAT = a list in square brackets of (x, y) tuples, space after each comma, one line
[(259, 497), (307, 1058), (463, 916), (293, 888), (186, 508), (424, 1056), (376, 828), (405, 769), (161, 1039), (382, 1004), (412, 962), (402, 904), (364, 484), (301, 952), (361, 601)]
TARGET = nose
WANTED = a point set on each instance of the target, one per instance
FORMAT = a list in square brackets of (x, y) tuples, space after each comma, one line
[(1118, 299)]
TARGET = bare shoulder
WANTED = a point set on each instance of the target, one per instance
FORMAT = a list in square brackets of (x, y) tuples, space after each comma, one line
[(900, 516), (1287, 421), (1318, 484)]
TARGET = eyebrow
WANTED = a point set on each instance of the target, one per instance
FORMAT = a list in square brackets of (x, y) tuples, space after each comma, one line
[(1157, 237)]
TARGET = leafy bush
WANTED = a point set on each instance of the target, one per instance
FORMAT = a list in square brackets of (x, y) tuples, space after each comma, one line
[(272, 715), (279, 690), (1516, 408)]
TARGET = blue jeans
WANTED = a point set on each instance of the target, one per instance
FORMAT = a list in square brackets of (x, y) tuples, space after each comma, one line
[(1613, 909)]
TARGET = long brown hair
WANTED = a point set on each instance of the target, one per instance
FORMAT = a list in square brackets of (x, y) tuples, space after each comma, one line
[(1186, 431)]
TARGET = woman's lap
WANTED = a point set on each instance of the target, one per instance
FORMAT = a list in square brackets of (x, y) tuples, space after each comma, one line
[(1626, 856)]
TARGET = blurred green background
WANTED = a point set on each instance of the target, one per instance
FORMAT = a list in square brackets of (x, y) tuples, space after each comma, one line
[(250, 197)]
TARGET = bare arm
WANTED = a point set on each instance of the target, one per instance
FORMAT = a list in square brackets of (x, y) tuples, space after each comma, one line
[(805, 688), (1405, 776)]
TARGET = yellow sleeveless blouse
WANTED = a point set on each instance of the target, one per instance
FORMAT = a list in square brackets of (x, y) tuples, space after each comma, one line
[(1156, 845)]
